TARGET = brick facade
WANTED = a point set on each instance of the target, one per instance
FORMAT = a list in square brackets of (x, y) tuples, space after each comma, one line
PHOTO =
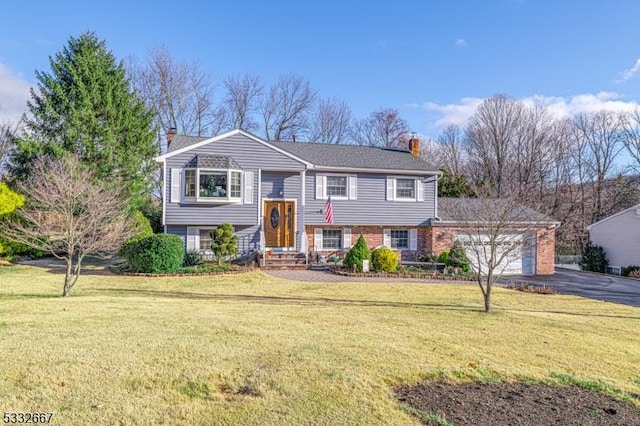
[(437, 239)]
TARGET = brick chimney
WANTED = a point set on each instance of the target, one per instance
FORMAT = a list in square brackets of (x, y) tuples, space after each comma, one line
[(170, 134), (414, 145)]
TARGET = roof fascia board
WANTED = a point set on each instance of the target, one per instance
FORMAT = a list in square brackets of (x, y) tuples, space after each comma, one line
[(163, 157), (392, 171)]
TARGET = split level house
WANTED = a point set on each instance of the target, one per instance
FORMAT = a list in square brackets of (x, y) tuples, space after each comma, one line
[(276, 196)]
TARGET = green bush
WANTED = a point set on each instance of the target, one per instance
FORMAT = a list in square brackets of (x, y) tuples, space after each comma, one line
[(627, 271), (191, 258), (384, 259), (357, 254), (224, 242), (444, 257), (157, 253), (141, 223), (458, 257), (152, 210), (594, 259), (11, 249)]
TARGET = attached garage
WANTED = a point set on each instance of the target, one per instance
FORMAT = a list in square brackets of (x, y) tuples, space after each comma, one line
[(523, 239), (515, 250)]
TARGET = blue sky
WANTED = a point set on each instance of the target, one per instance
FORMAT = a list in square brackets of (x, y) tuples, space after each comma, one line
[(433, 60)]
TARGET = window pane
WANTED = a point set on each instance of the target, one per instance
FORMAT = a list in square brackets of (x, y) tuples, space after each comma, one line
[(399, 239), (234, 188), (213, 184), (405, 188), (331, 239), (205, 240), (337, 186), (189, 183)]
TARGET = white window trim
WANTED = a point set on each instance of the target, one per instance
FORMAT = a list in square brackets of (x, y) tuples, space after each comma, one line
[(318, 239), (351, 186), (392, 189), (225, 200)]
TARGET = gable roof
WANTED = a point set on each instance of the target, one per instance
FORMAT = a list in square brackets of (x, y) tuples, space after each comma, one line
[(319, 155), (213, 162), (356, 156), (606, 219), (473, 209)]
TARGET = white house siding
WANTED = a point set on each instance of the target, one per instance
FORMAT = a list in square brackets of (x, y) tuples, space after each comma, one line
[(620, 237), (371, 206)]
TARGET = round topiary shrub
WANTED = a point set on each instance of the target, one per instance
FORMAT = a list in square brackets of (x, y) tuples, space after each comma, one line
[(384, 259), (158, 253), (357, 254)]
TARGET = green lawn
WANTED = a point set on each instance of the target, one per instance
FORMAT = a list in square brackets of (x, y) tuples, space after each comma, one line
[(252, 349)]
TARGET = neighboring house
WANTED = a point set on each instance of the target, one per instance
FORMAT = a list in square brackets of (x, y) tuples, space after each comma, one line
[(619, 235), (275, 194)]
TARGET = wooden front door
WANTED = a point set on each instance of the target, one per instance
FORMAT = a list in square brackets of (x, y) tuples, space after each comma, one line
[(279, 223)]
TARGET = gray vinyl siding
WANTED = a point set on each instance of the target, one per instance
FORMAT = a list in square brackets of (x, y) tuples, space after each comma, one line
[(250, 156), (620, 238), (248, 236), (371, 206)]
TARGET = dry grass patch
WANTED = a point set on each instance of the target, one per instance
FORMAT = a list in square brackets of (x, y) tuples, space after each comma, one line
[(252, 349)]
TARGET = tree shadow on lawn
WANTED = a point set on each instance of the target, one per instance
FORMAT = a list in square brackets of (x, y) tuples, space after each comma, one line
[(280, 300), (90, 266)]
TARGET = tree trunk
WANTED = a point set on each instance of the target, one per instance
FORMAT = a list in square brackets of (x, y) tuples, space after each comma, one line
[(487, 301), (68, 278)]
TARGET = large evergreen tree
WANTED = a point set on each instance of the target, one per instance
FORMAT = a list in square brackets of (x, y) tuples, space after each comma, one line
[(85, 107)]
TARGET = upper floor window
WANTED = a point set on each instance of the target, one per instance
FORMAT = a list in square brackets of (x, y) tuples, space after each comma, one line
[(406, 188), (213, 185), (337, 186), (402, 188)]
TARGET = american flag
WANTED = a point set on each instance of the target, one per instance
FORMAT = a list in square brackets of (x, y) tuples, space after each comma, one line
[(328, 211)]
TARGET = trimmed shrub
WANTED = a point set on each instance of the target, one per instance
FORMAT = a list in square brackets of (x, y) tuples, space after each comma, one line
[(444, 257), (224, 242), (357, 254), (158, 253), (384, 259), (594, 259), (458, 257)]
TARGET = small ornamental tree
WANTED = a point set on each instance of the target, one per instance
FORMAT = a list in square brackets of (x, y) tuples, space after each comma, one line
[(70, 214), (224, 242), (458, 257), (357, 254), (594, 259)]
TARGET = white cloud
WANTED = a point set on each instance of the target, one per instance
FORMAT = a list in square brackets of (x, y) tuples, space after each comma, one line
[(459, 113), (460, 42), (14, 93), (628, 73)]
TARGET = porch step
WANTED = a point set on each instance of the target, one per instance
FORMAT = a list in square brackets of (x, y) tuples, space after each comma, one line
[(284, 260)]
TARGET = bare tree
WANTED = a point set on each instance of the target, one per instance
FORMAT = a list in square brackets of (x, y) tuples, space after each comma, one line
[(285, 108), (490, 138), (631, 136), (181, 94), (243, 94), (494, 233), (383, 127), (598, 137), (330, 121), (70, 214), (450, 153)]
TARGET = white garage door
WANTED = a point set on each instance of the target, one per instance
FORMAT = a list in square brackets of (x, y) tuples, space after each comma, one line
[(517, 251)]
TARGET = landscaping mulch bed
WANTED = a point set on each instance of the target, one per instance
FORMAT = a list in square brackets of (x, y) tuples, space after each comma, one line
[(503, 403), (413, 275)]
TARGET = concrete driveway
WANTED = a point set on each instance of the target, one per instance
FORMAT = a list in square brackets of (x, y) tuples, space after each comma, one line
[(610, 288)]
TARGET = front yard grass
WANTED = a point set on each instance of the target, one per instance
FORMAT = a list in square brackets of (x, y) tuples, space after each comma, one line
[(253, 349)]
